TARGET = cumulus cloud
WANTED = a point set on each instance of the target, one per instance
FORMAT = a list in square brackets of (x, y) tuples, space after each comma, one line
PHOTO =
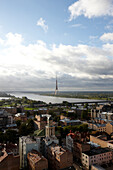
[(12, 39), (41, 23), (34, 66), (90, 9), (107, 37)]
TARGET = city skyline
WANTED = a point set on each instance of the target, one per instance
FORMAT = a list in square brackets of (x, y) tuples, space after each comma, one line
[(70, 38)]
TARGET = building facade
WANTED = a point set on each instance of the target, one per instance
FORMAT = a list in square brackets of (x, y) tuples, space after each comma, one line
[(96, 156)]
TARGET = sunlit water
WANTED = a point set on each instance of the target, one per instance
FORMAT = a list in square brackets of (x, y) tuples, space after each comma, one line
[(48, 99)]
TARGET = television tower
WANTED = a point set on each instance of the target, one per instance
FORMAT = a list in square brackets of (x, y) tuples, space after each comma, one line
[(56, 90)]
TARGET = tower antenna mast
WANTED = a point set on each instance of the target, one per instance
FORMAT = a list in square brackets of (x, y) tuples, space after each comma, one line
[(56, 90)]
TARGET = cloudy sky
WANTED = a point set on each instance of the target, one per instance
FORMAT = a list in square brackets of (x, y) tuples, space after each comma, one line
[(70, 38)]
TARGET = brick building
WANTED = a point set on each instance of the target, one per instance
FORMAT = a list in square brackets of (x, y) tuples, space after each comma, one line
[(36, 161), (20, 116), (58, 157), (9, 161), (12, 110), (78, 148)]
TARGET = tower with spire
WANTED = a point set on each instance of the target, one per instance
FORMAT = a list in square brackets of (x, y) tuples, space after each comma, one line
[(56, 90)]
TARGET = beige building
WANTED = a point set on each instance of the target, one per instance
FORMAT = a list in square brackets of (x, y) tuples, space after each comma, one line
[(59, 158), (109, 127), (100, 141), (97, 127), (36, 161), (96, 156), (103, 142)]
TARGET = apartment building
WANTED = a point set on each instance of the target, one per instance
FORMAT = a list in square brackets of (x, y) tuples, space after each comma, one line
[(97, 127), (96, 156)]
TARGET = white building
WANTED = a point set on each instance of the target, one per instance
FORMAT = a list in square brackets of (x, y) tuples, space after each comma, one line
[(69, 141), (26, 144)]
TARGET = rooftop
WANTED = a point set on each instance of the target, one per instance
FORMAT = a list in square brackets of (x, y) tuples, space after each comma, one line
[(97, 151), (93, 144), (4, 155), (57, 149), (20, 114), (69, 121), (35, 156), (27, 139)]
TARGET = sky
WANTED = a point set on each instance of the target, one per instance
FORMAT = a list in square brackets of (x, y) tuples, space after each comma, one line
[(40, 39)]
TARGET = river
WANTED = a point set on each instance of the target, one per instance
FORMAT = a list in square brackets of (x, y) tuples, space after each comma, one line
[(48, 99)]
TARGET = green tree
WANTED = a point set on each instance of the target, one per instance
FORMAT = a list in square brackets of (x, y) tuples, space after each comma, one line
[(11, 136), (84, 114), (18, 122), (23, 130), (1, 137), (28, 113), (30, 126)]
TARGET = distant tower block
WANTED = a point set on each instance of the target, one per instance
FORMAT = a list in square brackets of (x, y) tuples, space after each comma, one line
[(56, 90)]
